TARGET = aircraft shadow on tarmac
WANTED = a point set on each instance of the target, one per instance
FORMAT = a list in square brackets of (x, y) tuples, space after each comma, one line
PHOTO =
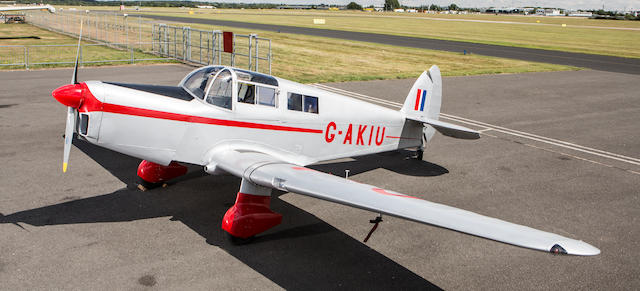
[(303, 252)]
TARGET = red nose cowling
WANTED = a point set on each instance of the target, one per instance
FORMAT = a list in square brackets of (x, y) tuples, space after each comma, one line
[(69, 95)]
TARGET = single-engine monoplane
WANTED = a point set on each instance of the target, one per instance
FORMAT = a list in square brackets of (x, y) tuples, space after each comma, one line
[(267, 130), (30, 7)]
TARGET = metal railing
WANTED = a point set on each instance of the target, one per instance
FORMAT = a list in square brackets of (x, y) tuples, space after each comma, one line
[(206, 47), (29, 56), (126, 32)]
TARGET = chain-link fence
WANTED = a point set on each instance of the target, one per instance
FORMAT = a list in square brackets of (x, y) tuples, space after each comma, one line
[(139, 36), (121, 30), (29, 56)]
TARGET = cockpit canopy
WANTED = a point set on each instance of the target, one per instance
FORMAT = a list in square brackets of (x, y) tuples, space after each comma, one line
[(219, 81)]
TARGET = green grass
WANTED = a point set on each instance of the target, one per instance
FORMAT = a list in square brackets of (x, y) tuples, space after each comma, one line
[(310, 59), (64, 51), (580, 35)]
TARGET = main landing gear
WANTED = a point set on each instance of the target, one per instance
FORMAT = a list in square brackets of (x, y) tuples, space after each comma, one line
[(153, 175), (250, 215)]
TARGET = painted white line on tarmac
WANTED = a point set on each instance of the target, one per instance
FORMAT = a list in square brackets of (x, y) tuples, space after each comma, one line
[(487, 126)]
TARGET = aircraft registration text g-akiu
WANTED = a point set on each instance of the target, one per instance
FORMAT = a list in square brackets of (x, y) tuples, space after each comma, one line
[(266, 130)]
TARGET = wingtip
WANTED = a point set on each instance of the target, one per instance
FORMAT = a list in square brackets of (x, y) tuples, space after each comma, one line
[(576, 247), (64, 167)]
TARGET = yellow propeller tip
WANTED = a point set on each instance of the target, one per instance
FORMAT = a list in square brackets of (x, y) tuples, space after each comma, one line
[(64, 167)]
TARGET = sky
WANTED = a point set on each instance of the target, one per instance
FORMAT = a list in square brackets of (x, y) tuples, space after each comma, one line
[(575, 4)]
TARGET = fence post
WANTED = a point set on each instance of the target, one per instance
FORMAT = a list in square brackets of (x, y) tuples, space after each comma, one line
[(233, 53), (126, 28), (153, 37), (187, 47), (250, 55), (257, 54), (185, 31), (115, 22), (166, 39), (140, 32), (106, 28), (132, 60), (26, 57), (269, 56)]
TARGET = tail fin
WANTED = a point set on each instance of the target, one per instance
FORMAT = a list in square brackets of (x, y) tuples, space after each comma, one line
[(425, 96), (423, 105)]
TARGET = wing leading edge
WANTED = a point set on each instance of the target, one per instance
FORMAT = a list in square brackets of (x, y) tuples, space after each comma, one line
[(266, 171)]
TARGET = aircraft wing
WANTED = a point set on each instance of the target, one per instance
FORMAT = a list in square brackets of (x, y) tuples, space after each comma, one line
[(20, 8), (267, 171)]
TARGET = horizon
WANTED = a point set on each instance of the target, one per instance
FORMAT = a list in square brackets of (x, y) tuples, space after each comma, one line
[(611, 5)]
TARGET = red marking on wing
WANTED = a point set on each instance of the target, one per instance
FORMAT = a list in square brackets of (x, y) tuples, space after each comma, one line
[(384, 192), (121, 109), (302, 169)]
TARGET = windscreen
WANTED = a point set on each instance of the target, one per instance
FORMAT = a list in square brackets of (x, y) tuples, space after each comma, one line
[(221, 90), (196, 82)]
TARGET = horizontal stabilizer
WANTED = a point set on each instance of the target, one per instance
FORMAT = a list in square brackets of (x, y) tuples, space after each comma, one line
[(449, 129)]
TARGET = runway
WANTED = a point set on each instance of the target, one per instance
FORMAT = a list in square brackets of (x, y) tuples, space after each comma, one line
[(559, 152), (596, 62)]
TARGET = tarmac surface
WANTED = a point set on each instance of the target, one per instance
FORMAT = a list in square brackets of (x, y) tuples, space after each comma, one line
[(558, 153), (591, 61)]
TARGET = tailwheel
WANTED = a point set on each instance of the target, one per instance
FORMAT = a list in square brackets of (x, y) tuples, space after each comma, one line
[(239, 240), (419, 154)]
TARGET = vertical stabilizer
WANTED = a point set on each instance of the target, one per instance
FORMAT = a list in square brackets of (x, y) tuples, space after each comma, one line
[(423, 105), (425, 96)]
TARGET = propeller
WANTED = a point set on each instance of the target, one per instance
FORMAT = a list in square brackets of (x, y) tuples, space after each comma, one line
[(71, 113)]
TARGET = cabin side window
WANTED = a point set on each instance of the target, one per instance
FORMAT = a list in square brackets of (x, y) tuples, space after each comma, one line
[(246, 93), (294, 102), (255, 94), (267, 96), (299, 102), (310, 104)]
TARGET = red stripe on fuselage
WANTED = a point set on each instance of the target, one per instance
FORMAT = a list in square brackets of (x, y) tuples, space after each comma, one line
[(134, 111)]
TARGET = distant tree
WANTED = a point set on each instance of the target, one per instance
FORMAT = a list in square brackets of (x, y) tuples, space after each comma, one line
[(434, 7), (354, 6), (453, 6), (391, 4)]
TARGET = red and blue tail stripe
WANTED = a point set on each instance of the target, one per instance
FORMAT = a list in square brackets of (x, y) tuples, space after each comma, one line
[(420, 100)]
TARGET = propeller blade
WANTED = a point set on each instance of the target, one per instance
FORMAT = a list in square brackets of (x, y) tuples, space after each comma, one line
[(74, 78), (68, 136), (71, 114)]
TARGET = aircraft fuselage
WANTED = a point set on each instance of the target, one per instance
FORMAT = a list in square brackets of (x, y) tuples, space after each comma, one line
[(161, 129)]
